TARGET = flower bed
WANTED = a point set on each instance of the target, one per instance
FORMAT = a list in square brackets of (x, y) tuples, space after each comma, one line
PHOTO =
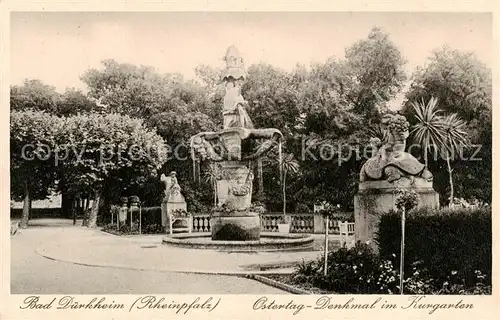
[(447, 251), (134, 230), (360, 271)]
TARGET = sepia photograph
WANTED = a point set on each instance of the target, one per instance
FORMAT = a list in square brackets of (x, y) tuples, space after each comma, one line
[(250, 153)]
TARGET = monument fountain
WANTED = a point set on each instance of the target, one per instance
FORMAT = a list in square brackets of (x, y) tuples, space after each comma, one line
[(235, 222)]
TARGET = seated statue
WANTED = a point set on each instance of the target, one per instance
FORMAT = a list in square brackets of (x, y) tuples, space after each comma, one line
[(390, 161)]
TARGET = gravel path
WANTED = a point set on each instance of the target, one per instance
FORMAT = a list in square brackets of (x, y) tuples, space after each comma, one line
[(34, 274)]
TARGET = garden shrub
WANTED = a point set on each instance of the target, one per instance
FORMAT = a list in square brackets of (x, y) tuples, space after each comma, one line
[(150, 224), (153, 229), (357, 270), (344, 216), (421, 281), (151, 216), (443, 241), (110, 227), (302, 208), (360, 271), (126, 229), (37, 213)]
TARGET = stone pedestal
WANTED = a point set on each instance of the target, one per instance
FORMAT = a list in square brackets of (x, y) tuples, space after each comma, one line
[(377, 197), (122, 215), (235, 226), (234, 190), (319, 223), (168, 206)]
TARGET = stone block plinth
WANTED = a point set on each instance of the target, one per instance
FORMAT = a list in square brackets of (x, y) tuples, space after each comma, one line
[(375, 198), (238, 226)]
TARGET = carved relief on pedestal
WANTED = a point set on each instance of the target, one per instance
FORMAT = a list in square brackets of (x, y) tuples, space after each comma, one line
[(234, 185), (242, 187)]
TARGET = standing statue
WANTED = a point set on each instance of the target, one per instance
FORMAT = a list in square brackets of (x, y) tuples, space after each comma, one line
[(390, 161), (234, 112)]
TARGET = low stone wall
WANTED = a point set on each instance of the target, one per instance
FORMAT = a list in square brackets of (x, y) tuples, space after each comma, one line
[(300, 223), (267, 242)]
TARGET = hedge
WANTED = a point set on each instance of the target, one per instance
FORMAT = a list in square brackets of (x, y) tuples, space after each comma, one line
[(444, 240), (151, 215), (37, 213)]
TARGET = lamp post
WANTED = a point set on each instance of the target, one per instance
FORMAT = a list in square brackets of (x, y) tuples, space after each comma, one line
[(134, 205), (328, 211), (406, 200), (327, 223), (140, 218), (402, 258)]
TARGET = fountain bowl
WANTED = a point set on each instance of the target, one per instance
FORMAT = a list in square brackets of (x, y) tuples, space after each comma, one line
[(268, 242)]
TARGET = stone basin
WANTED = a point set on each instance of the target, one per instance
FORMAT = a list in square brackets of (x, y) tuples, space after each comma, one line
[(228, 144), (269, 241)]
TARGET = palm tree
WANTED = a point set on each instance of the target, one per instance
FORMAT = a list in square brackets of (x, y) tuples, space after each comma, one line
[(375, 130), (429, 131), (260, 179), (445, 134), (288, 164), (210, 176), (455, 140)]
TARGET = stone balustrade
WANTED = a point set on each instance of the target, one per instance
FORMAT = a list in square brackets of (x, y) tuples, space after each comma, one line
[(333, 226), (201, 223), (269, 222), (300, 223)]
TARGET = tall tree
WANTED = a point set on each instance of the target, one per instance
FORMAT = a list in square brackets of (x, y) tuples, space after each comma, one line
[(428, 132), (37, 96), (445, 134), (128, 89), (175, 107), (459, 80), (374, 69), (463, 86), (288, 165), (106, 151), (34, 95), (142, 92), (455, 140), (73, 102), (337, 99), (272, 102), (32, 143)]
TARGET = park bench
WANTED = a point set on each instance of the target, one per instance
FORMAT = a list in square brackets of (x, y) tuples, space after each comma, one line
[(180, 221), (346, 231)]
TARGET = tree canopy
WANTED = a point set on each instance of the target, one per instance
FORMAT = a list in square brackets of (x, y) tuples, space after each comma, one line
[(462, 85), (327, 112)]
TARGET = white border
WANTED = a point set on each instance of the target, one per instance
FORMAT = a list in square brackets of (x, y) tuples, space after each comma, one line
[(234, 306)]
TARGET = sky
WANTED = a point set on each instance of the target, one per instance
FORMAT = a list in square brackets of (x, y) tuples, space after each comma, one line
[(57, 47)]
